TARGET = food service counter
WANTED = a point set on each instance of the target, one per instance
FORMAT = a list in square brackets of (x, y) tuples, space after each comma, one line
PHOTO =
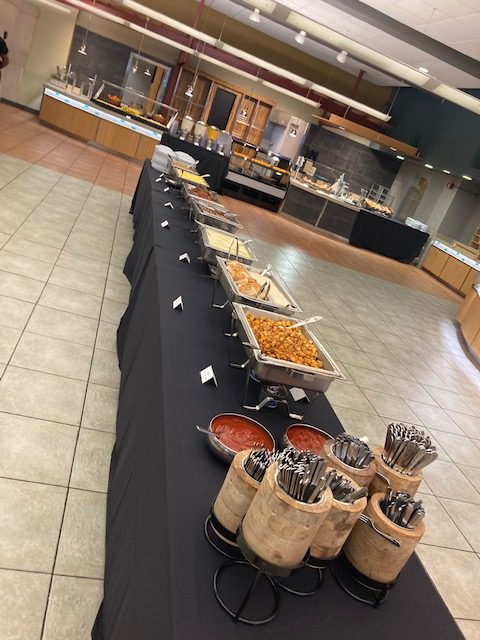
[(453, 268), (159, 567), (78, 116), (469, 320), (319, 209)]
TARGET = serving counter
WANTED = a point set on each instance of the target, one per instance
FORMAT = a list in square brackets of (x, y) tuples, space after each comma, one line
[(82, 118), (453, 268), (159, 567), (319, 209), (469, 320)]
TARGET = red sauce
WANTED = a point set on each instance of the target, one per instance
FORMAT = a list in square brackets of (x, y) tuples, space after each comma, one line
[(239, 433), (304, 438)]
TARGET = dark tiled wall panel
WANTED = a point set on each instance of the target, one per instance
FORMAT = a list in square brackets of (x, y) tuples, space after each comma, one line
[(362, 166)]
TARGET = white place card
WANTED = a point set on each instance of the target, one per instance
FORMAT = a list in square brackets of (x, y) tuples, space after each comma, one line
[(166, 189), (159, 179), (168, 204), (208, 375), (298, 394), (184, 256), (178, 303), (164, 224)]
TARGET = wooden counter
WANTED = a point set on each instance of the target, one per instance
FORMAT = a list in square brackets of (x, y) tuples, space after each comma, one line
[(454, 269), (81, 118), (469, 320)]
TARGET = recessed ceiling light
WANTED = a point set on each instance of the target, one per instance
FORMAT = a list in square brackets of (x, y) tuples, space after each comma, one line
[(429, 166), (393, 148), (342, 128), (255, 16), (401, 157), (423, 69), (467, 178), (342, 56), (445, 171), (300, 37)]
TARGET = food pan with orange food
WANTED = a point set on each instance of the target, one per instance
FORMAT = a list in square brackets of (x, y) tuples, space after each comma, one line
[(282, 355)]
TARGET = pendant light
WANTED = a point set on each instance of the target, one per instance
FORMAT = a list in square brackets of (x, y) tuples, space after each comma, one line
[(255, 16), (135, 66), (191, 87), (83, 47), (300, 37), (295, 127), (342, 56)]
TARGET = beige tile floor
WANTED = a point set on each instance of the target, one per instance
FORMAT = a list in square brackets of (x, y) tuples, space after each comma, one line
[(62, 292)]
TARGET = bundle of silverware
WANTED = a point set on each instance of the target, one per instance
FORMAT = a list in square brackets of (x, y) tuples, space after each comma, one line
[(258, 461), (407, 449), (301, 475), (402, 509), (352, 451), (342, 489)]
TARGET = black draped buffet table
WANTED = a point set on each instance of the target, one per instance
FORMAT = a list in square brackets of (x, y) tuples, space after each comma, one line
[(208, 161), (159, 567), (387, 236)]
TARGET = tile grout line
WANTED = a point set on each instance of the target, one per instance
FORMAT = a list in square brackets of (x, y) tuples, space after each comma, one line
[(73, 458)]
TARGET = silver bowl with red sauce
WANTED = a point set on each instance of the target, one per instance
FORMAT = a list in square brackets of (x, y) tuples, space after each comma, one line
[(235, 433), (305, 437)]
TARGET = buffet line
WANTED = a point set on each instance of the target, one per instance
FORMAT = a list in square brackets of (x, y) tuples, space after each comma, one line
[(318, 498)]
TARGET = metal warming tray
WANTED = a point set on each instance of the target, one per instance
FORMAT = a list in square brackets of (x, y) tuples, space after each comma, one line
[(187, 190), (288, 307), (228, 248), (280, 371), (203, 212)]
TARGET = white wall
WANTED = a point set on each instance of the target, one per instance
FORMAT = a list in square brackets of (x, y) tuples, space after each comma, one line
[(39, 39), (435, 196), (463, 217), (19, 19)]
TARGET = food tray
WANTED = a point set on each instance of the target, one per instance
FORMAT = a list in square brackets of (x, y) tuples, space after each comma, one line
[(280, 371), (210, 252), (187, 193), (235, 295), (227, 221), (190, 177)]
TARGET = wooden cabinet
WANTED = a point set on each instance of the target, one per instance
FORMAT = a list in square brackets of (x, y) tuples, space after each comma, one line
[(469, 282), (66, 118), (435, 261), (454, 273), (475, 346), (117, 138)]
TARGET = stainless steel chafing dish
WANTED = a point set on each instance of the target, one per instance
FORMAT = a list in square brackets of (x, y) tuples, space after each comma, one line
[(281, 371), (204, 212), (229, 249), (287, 307), (187, 190)]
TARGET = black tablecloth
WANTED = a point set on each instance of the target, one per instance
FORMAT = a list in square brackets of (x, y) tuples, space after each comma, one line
[(209, 161), (387, 236), (159, 567)]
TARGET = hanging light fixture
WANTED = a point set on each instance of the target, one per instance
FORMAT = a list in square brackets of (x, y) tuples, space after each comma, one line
[(135, 66), (255, 16), (191, 86), (342, 56), (147, 72), (300, 37), (83, 47), (293, 131)]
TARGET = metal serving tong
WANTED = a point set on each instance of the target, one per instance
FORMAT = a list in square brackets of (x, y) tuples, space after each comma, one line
[(302, 323), (407, 449)]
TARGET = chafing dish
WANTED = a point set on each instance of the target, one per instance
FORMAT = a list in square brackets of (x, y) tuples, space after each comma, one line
[(278, 298), (215, 242), (214, 216), (282, 372), (188, 191)]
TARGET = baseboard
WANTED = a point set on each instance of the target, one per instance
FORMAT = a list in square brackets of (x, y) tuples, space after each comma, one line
[(20, 106)]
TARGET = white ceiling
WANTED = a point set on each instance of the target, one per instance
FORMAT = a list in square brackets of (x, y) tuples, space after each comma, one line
[(455, 23)]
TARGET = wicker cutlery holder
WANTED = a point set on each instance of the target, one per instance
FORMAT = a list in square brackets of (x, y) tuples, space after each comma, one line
[(336, 528), (280, 529), (362, 477), (374, 556), (235, 496), (387, 478)]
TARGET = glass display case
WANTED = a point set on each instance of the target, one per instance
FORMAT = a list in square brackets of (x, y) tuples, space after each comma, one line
[(260, 164), (132, 104)]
